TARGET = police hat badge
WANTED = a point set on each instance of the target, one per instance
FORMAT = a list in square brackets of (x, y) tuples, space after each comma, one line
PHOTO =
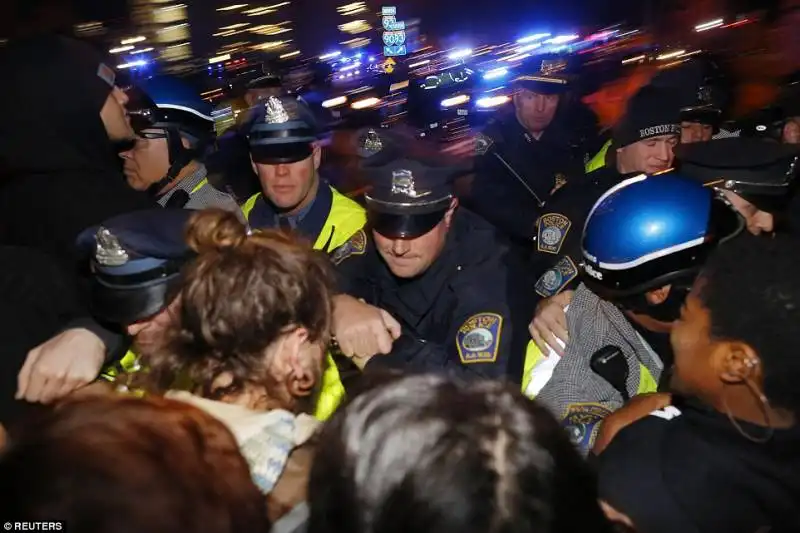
[(369, 144), (552, 66), (482, 144), (109, 252), (403, 183), (275, 112)]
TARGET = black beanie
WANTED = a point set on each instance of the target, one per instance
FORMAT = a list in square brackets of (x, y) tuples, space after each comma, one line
[(651, 112)]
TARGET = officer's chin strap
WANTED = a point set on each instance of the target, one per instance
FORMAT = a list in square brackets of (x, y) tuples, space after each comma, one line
[(179, 158)]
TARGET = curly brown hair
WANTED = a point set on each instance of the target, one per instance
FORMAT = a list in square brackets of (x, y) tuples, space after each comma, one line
[(240, 294), (126, 465)]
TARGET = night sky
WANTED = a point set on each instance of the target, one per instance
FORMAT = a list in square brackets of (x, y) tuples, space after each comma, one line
[(468, 21)]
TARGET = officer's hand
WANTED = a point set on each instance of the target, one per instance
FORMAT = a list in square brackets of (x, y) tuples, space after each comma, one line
[(362, 330), (59, 366), (638, 407), (550, 323)]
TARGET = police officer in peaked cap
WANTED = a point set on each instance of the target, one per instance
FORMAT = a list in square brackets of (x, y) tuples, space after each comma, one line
[(526, 153), (286, 155), (440, 291), (758, 177)]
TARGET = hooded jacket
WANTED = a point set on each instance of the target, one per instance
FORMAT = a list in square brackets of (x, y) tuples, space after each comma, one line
[(58, 170)]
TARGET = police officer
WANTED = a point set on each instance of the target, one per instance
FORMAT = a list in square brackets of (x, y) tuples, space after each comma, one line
[(643, 244), (525, 156), (174, 130), (441, 292), (757, 176), (286, 158), (643, 143)]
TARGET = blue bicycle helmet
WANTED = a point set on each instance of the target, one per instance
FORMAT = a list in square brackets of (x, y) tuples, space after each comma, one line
[(650, 231)]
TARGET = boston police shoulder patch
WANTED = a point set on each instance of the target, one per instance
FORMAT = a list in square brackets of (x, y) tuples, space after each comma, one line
[(357, 245), (582, 422), (556, 278), (553, 228), (478, 338)]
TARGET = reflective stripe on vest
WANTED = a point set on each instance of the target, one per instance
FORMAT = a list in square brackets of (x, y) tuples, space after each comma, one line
[(599, 159), (200, 185), (346, 217), (533, 355)]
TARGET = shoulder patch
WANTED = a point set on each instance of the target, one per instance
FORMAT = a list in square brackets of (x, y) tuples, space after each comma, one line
[(557, 277), (478, 338), (357, 245), (553, 229), (582, 422)]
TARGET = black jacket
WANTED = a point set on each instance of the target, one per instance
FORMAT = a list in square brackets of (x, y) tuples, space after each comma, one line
[(466, 315), (544, 165)]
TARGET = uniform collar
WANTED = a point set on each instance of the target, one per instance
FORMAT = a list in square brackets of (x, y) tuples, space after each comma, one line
[(308, 223)]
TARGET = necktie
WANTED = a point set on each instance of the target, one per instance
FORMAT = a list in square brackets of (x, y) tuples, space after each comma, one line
[(283, 224)]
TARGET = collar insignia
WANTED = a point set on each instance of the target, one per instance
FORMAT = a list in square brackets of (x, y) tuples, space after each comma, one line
[(276, 113), (109, 252), (403, 183)]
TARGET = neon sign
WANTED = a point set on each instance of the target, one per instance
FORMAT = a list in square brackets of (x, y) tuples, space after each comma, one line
[(394, 33)]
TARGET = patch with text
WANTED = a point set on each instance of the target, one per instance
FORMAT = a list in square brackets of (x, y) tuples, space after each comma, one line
[(553, 228), (582, 422), (357, 245), (556, 278), (478, 338)]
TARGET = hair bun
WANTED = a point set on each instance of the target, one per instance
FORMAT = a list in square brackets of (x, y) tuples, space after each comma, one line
[(215, 230)]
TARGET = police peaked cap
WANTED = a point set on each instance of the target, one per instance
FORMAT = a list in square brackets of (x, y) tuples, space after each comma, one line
[(136, 261), (760, 170)]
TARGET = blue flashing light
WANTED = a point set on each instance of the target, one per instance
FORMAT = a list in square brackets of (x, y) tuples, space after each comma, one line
[(495, 73), (371, 59)]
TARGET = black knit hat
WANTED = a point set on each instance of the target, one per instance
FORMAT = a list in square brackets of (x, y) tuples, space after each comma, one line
[(651, 112)]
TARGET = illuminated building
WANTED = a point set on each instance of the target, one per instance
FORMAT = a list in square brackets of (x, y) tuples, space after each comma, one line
[(255, 27), (163, 27), (356, 23)]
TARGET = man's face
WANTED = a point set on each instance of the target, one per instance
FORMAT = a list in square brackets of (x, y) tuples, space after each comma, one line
[(147, 161), (649, 156), (148, 333), (692, 345), (287, 185), (115, 117), (693, 132), (791, 131), (535, 111), (409, 258), (757, 221)]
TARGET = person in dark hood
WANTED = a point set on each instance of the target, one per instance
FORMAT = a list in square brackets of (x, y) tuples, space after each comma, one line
[(62, 114), (59, 174)]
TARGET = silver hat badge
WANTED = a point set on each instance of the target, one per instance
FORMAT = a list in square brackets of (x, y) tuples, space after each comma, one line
[(370, 144), (276, 113), (403, 183), (109, 252)]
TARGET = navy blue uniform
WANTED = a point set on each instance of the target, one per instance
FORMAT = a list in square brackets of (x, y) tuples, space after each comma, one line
[(545, 165), (466, 315)]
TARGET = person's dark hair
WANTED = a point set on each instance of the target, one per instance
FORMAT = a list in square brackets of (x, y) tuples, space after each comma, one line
[(425, 454), (751, 289), (241, 294), (128, 465)]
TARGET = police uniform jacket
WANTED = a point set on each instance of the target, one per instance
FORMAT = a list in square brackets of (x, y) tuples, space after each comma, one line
[(329, 221), (545, 165), (560, 227), (687, 468), (467, 314)]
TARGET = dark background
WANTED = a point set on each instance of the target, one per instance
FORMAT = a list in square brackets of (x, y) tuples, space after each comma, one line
[(458, 20)]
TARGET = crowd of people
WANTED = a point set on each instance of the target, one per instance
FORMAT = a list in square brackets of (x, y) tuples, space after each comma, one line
[(517, 333)]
